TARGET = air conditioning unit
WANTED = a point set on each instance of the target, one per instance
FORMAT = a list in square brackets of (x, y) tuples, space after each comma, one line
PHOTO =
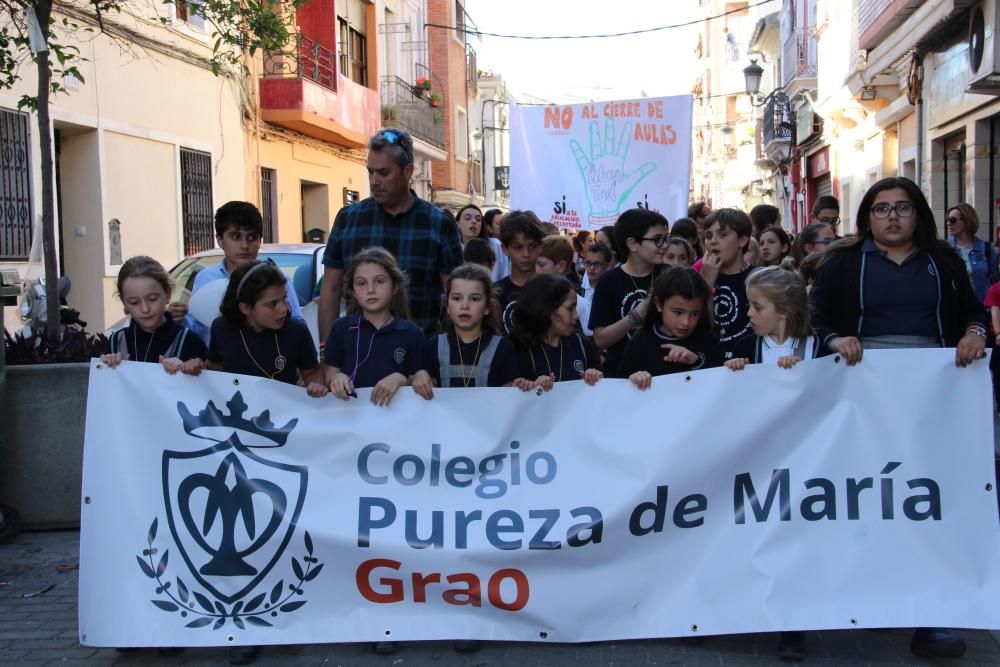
[(984, 54)]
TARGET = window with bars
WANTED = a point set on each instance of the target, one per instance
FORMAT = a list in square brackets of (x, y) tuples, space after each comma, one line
[(15, 186), (196, 201), (268, 197)]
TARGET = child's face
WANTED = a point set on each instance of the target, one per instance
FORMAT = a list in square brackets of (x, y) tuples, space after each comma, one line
[(596, 266), (677, 255), (239, 245), (546, 265), (467, 304), (764, 316), (523, 253), (470, 223), (565, 317), (771, 248), (823, 239), (725, 243), (646, 248), (372, 288), (679, 316), (145, 300), (269, 311)]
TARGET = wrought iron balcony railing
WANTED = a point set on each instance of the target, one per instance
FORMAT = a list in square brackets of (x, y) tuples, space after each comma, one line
[(402, 107), (778, 124), (309, 60)]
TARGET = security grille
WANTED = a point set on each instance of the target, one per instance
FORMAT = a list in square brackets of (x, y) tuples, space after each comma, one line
[(15, 186), (267, 197), (196, 201)]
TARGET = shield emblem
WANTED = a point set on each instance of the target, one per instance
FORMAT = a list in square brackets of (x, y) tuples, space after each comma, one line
[(231, 513)]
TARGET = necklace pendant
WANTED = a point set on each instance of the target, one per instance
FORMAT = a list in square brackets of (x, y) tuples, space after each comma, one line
[(280, 362)]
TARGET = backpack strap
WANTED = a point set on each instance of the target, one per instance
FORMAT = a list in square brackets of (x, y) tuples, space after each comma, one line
[(485, 363), (800, 347), (444, 360), (117, 342), (177, 346)]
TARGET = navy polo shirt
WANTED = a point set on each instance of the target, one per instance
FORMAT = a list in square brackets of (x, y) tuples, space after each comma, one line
[(900, 299), (144, 346), (566, 361), (503, 370), (356, 348), (259, 355)]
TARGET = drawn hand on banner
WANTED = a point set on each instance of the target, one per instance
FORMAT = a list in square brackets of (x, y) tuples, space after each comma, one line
[(605, 179)]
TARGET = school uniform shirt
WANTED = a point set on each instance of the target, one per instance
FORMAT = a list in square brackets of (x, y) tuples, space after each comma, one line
[(766, 350), (242, 349), (732, 320), (507, 294), (170, 339), (502, 361), (616, 294), (566, 361), (643, 352), (368, 355)]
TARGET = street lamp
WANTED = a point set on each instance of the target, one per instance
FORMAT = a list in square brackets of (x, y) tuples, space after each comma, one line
[(752, 74)]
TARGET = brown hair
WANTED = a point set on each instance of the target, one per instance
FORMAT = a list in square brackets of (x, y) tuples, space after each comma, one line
[(785, 290), (969, 215), (558, 249), (476, 273), (379, 256), (142, 266), (249, 291)]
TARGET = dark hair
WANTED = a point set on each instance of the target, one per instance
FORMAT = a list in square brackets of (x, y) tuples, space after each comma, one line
[(381, 257), (238, 215), (683, 282), (688, 248), (550, 229), (609, 234), (475, 272), (602, 248), (633, 224), (581, 238), (488, 217), (539, 298), (482, 227), (688, 230), (479, 251), (558, 249), (395, 141), (763, 216), (249, 291), (142, 266), (782, 238), (809, 234), (697, 210), (925, 236), (734, 220), (825, 201), (521, 222), (810, 265)]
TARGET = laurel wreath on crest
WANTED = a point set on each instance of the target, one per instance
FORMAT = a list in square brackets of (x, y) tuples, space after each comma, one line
[(189, 602)]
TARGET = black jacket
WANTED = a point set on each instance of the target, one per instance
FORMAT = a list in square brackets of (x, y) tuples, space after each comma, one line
[(837, 296)]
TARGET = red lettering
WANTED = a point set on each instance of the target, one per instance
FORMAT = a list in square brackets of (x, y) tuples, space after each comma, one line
[(420, 582), (521, 583), (471, 595), (395, 593), (551, 116)]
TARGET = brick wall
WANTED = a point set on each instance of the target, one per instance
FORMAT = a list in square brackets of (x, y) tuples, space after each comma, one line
[(447, 63)]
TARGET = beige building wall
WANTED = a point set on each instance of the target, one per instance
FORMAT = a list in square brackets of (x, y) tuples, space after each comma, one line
[(120, 138)]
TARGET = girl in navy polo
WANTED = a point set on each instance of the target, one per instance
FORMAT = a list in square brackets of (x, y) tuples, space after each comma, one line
[(144, 288), (550, 347), (470, 353), (373, 345), (255, 334)]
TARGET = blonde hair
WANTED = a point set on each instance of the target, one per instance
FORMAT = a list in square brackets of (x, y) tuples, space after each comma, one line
[(785, 290)]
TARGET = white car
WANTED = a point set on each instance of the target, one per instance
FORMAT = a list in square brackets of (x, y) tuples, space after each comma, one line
[(301, 262)]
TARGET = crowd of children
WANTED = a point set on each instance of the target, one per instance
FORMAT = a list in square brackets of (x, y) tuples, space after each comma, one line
[(637, 300)]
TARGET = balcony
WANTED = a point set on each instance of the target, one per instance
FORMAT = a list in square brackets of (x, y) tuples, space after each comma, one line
[(798, 58), (777, 128), (471, 68), (403, 108), (878, 18), (301, 90)]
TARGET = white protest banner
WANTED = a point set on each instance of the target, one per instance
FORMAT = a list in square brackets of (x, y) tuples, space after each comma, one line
[(234, 510), (580, 165)]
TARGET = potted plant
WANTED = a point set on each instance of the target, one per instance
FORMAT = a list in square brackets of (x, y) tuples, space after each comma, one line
[(422, 86), (388, 114), (438, 117), (435, 99)]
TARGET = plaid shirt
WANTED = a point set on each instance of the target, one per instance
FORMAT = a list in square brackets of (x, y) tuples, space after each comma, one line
[(423, 239)]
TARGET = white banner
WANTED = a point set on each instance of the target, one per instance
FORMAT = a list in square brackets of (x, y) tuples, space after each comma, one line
[(235, 510), (580, 165)]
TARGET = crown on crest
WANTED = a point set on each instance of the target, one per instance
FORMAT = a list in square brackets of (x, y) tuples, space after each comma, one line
[(212, 417)]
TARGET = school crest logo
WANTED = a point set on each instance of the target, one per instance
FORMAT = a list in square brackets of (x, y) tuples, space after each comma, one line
[(232, 514), (399, 355)]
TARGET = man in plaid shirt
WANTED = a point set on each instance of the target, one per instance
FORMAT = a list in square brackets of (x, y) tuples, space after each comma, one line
[(424, 240)]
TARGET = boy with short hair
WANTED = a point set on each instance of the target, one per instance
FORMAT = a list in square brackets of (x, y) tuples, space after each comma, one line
[(826, 209), (521, 240), (727, 237), (238, 231), (554, 259), (597, 259), (621, 296)]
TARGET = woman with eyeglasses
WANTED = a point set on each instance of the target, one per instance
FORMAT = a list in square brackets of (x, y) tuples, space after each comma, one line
[(896, 285), (980, 257)]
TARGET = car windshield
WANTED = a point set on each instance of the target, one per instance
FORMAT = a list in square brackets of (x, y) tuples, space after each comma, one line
[(297, 266)]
